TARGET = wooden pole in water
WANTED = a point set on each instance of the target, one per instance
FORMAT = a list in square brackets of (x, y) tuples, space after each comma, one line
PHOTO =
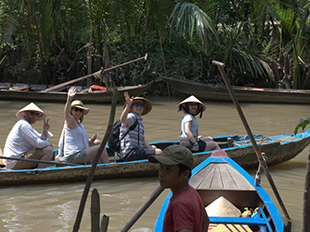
[(90, 177), (306, 206), (261, 160), (104, 223), (95, 211)]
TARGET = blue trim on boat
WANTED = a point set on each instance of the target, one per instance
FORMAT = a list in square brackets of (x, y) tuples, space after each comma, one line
[(238, 220)]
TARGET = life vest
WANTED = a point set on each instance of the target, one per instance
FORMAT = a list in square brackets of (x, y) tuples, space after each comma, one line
[(96, 88), (18, 89)]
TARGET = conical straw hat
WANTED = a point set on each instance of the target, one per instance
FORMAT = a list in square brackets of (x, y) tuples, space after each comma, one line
[(31, 107), (201, 106), (221, 207)]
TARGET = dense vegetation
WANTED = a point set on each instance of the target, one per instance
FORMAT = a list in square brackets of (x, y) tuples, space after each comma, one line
[(263, 43)]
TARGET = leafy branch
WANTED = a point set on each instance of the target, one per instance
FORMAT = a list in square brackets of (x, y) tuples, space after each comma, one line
[(302, 123)]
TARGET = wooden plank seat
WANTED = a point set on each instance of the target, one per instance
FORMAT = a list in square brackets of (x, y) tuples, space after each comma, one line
[(231, 228), (221, 179)]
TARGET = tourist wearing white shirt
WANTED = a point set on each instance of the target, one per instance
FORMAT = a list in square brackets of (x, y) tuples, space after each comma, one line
[(24, 141)]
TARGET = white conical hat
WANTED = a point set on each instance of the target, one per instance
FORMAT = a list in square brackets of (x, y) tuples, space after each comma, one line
[(201, 106), (31, 107), (221, 207)]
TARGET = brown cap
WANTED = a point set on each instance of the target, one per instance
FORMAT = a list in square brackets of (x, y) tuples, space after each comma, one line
[(174, 154)]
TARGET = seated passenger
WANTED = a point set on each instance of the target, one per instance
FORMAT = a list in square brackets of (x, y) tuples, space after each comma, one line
[(25, 142), (133, 145), (74, 145), (189, 136)]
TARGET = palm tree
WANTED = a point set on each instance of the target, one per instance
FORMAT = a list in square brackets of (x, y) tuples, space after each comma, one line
[(226, 40)]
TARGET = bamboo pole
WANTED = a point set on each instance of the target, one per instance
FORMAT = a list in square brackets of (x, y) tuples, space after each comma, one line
[(90, 177), (38, 161), (95, 211), (104, 223), (132, 220), (93, 74), (261, 160)]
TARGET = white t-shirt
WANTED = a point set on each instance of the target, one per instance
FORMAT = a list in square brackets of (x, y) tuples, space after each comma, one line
[(22, 138), (194, 125)]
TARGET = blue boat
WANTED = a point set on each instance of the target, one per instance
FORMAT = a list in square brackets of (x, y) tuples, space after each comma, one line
[(220, 176), (277, 149)]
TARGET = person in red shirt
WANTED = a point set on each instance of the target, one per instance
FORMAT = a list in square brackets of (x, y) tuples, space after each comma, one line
[(185, 211)]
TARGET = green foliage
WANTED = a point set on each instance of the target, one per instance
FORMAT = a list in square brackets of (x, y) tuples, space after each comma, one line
[(302, 124), (47, 21), (181, 38), (191, 22)]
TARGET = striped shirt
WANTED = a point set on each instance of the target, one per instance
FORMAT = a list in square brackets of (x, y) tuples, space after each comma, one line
[(135, 138)]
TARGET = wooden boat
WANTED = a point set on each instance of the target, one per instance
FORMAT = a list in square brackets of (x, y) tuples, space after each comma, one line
[(9, 91), (243, 94), (219, 178), (277, 149)]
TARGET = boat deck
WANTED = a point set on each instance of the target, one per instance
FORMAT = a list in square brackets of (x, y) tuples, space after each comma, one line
[(219, 176), (221, 179)]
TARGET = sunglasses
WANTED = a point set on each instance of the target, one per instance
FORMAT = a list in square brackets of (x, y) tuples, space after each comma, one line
[(139, 104), (78, 109), (34, 114)]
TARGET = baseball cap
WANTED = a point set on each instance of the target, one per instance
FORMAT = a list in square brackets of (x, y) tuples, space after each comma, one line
[(174, 154)]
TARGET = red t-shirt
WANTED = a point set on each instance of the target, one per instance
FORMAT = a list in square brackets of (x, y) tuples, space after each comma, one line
[(185, 211)]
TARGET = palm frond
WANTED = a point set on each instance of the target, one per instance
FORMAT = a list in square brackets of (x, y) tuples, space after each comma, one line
[(191, 22)]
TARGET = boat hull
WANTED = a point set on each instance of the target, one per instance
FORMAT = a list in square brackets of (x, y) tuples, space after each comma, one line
[(243, 94), (56, 96), (278, 149)]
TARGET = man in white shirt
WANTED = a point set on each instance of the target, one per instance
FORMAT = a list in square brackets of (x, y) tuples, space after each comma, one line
[(25, 142)]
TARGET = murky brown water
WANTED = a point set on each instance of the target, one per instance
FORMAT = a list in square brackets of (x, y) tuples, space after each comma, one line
[(53, 207)]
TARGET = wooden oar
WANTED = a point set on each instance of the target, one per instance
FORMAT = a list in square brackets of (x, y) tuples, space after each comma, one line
[(39, 161), (141, 210), (90, 177), (99, 73), (261, 160)]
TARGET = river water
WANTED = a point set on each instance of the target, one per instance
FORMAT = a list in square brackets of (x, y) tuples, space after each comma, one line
[(53, 207)]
